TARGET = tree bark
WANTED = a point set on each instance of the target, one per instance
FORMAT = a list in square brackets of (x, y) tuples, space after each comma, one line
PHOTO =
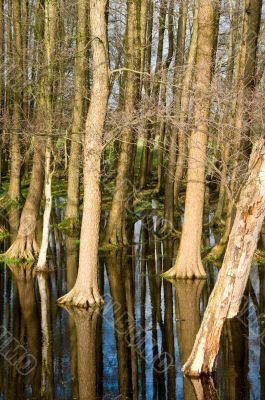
[(163, 95), (25, 246), (85, 293), (147, 88), (244, 80), (15, 164), (188, 263), (49, 43), (168, 224), (72, 208), (123, 191), (227, 294), (184, 106), (47, 212), (149, 135), (224, 139)]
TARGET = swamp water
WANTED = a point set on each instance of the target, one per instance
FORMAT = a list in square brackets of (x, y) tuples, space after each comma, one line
[(135, 346)]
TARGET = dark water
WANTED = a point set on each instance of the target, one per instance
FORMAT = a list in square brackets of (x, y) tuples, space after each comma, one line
[(135, 346)]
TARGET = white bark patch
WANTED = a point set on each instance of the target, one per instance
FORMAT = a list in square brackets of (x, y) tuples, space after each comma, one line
[(262, 178)]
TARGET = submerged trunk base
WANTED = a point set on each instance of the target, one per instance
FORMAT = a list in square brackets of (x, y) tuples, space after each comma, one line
[(186, 267), (82, 298), (188, 272), (116, 237), (24, 247)]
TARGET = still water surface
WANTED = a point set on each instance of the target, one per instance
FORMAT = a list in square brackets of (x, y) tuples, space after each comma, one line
[(135, 346)]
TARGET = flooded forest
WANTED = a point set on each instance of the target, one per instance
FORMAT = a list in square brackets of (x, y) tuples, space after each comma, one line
[(132, 199)]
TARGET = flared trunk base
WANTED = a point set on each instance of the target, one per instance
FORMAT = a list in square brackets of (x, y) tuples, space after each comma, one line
[(24, 247), (185, 271), (82, 298)]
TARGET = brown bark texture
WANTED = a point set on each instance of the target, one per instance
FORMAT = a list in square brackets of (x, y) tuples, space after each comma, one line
[(85, 293), (188, 263)]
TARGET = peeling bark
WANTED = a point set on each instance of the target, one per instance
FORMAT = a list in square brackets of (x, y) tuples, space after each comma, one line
[(226, 297)]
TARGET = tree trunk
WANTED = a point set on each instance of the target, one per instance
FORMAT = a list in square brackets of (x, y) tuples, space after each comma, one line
[(188, 263), (168, 224), (245, 74), (224, 139), (147, 153), (47, 212), (227, 295), (72, 208), (47, 89), (147, 87), (25, 245), (2, 60), (15, 165), (85, 292), (123, 191), (163, 95), (184, 106)]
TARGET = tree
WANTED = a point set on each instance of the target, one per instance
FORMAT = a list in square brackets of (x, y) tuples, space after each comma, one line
[(245, 81), (227, 295), (150, 131), (188, 263), (26, 246), (80, 70), (85, 292), (15, 165), (168, 225), (115, 230)]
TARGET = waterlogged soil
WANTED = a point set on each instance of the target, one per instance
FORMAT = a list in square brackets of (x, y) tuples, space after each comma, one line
[(135, 346)]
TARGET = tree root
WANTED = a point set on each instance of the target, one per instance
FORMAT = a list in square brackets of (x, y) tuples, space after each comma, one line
[(82, 298), (24, 247)]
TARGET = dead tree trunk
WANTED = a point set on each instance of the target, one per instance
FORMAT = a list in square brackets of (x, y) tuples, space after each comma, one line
[(227, 294)]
